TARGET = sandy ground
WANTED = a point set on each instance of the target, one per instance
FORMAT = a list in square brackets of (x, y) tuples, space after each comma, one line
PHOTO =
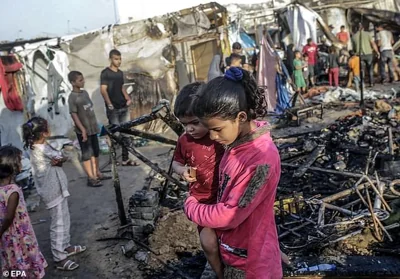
[(93, 216)]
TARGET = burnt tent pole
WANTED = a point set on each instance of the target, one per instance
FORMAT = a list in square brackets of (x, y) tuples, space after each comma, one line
[(117, 184), (360, 50)]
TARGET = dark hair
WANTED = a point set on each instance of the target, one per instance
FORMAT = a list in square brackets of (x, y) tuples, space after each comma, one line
[(309, 40), (296, 51), (73, 75), (33, 131), (184, 103), (342, 26), (332, 49), (10, 160), (352, 53), (305, 55), (114, 52), (226, 96), (236, 46)]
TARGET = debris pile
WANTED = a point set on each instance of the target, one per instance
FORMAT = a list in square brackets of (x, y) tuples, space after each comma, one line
[(337, 188)]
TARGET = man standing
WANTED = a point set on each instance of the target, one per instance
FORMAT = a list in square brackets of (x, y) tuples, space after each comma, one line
[(311, 49), (116, 99), (385, 42), (343, 36), (364, 48), (237, 49)]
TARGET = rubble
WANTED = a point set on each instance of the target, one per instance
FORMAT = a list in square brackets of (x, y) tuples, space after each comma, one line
[(340, 199)]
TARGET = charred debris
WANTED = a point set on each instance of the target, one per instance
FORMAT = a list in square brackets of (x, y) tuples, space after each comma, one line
[(338, 199)]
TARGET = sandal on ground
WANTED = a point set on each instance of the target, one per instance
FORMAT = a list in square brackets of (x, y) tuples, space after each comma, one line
[(104, 177), (77, 250), (94, 183), (68, 266), (130, 163)]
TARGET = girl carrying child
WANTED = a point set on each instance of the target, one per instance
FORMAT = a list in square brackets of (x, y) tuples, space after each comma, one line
[(19, 248), (52, 186), (249, 172)]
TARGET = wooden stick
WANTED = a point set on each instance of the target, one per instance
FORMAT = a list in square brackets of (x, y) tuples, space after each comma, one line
[(373, 216), (343, 193), (378, 193)]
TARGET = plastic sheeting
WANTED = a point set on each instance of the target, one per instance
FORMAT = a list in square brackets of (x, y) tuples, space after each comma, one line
[(247, 42), (303, 25), (283, 95), (266, 74)]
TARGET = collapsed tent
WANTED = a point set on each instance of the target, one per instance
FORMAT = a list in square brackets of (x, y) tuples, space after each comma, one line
[(390, 19), (159, 56)]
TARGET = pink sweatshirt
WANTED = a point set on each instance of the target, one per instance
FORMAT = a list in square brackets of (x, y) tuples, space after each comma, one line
[(244, 220)]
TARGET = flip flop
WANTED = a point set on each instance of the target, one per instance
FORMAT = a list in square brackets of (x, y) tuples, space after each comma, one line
[(130, 163), (68, 266), (77, 250)]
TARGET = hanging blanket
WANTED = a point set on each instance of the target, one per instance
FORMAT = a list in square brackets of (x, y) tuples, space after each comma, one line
[(8, 67)]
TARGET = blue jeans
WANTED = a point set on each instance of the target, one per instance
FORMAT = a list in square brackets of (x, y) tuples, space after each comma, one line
[(119, 116), (387, 58)]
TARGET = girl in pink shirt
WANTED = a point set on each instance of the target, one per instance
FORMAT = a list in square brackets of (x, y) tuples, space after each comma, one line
[(249, 172)]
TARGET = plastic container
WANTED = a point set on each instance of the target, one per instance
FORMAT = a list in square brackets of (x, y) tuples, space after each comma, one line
[(320, 267), (104, 148)]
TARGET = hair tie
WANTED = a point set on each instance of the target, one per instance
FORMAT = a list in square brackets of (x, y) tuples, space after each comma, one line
[(30, 124), (234, 73)]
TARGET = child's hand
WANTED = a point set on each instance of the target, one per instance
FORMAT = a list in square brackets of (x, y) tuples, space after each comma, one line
[(56, 162), (84, 136), (186, 176)]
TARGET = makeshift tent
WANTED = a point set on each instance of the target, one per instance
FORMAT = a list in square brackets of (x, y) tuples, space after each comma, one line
[(154, 53)]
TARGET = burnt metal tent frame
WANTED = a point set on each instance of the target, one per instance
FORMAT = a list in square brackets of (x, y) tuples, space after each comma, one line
[(116, 133)]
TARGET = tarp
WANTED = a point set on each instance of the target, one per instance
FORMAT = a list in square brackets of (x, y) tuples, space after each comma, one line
[(303, 25), (389, 18), (266, 73)]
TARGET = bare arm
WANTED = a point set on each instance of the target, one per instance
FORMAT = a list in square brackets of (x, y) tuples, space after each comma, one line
[(11, 208), (127, 97), (78, 122), (104, 93)]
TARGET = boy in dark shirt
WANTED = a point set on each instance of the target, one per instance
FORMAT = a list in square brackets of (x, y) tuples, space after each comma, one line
[(116, 98), (196, 159), (86, 128)]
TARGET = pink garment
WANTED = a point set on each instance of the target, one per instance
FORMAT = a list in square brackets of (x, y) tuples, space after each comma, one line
[(334, 77), (243, 216), (19, 249)]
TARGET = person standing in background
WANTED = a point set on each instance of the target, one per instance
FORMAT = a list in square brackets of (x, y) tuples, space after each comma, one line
[(237, 49), (364, 48), (343, 36), (116, 98), (333, 65), (311, 49), (385, 43)]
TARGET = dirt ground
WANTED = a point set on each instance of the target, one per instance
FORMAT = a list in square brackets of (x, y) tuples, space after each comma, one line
[(94, 216)]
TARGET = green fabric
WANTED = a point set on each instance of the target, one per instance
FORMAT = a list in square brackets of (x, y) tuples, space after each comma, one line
[(298, 74), (366, 39)]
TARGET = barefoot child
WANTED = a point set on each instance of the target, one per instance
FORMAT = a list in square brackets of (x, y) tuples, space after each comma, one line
[(19, 249), (249, 172), (52, 186), (196, 151), (86, 128)]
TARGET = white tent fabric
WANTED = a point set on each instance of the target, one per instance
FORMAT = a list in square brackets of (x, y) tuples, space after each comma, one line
[(303, 25)]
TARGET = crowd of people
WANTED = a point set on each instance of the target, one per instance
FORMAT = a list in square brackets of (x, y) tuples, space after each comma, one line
[(226, 155), (304, 67)]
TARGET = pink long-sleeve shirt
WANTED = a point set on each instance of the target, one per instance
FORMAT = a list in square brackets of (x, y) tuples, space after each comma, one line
[(243, 217)]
